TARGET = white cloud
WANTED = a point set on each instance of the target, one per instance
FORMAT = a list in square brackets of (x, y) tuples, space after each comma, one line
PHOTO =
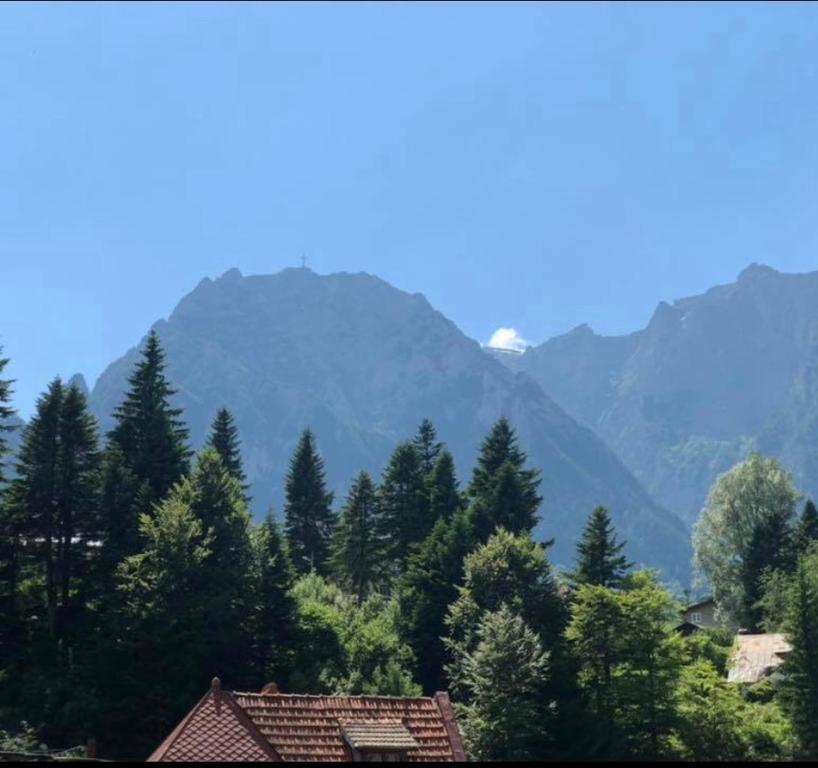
[(507, 338)]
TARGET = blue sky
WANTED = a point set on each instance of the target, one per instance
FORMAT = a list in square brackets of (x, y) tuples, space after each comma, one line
[(528, 166)]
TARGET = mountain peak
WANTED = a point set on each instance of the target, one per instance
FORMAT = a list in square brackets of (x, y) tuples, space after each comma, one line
[(756, 271)]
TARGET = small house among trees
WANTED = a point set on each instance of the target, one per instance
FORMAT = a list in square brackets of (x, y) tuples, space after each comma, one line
[(273, 727)]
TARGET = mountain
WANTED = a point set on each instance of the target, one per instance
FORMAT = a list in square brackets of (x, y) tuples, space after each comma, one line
[(710, 378), (362, 362)]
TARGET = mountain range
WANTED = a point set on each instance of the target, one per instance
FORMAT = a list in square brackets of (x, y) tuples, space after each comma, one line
[(361, 363), (709, 379)]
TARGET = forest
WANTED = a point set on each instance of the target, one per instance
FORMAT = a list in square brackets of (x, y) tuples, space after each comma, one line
[(132, 572)]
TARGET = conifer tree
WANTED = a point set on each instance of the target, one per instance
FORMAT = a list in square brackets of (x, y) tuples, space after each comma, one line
[(425, 592), (9, 539), (405, 515), (806, 531), (356, 558), (274, 628), (427, 446), (599, 555), (224, 438), (502, 490), (148, 431), (6, 412), (444, 496), (309, 519)]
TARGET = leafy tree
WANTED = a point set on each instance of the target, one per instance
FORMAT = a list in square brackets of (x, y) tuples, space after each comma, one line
[(599, 555), (148, 431), (505, 677), (405, 516), (274, 631), (502, 490), (444, 497), (224, 438), (425, 591), (751, 494), (356, 559), (427, 446), (799, 694), (309, 519)]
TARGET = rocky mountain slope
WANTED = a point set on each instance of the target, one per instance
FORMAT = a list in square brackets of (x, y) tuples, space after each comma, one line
[(361, 363), (710, 378)]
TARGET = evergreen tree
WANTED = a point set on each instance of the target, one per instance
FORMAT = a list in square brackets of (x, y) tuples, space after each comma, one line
[(599, 556), (224, 438), (443, 493), (502, 490), (426, 590), (806, 531), (799, 694), (148, 431), (505, 676), (6, 412), (356, 558), (309, 519), (274, 630), (405, 515), (427, 446)]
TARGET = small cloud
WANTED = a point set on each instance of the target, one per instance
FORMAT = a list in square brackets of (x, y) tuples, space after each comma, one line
[(507, 338)]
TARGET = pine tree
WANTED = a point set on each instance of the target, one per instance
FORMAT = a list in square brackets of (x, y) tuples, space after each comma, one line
[(148, 431), (599, 556), (443, 493), (505, 677), (799, 693), (6, 412), (427, 446), (356, 559), (425, 592), (309, 519), (806, 531), (274, 628), (405, 515), (502, 490), (224, 438)]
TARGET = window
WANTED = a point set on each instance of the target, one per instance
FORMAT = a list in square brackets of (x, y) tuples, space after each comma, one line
[(695, 618)]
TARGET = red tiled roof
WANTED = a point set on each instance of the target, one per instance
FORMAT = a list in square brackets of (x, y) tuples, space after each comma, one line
[(306, 728)]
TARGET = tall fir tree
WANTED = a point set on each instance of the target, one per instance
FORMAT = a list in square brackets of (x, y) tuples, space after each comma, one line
[(308, 517), (148, 430), (427, 445), (224, 438), (600, 558), (405, 514), (444, 496), (427, 589), (356, 559), (503, 491), (274, 624), (6, 412), (806, 530)]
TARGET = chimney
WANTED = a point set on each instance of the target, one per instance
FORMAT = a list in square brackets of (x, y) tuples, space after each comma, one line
[(271, 689), (216, 689)]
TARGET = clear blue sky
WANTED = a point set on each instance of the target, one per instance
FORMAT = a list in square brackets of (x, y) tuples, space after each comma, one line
[(534, 166)]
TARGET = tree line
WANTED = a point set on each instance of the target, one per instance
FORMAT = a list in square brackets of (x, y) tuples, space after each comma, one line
[(131, 572)]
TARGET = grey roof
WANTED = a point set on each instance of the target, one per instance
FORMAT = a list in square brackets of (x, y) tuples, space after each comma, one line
[(377, 735), (756, 656)]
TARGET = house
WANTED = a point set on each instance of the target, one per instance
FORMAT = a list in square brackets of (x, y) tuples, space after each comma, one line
[(701, 615), (756, 657), (226, 726)]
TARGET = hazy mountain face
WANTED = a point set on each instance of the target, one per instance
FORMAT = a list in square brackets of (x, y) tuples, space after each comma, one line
[(362, 363), (711, 377)]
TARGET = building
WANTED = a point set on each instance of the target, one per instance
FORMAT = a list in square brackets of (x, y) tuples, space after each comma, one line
[(225, 726), (756, 657), (701, 615)]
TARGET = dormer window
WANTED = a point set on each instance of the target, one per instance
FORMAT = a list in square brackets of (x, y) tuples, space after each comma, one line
[(380, 741)]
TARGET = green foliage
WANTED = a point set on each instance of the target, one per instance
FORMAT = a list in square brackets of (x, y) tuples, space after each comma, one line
[(6, 412), (309, 519), (806, 532), (425, 591), (503, 492), (799, 693), (148, 431), (444, 497), (427, 446), (505, 678), (224, 438), (599, 556), (356, 556), (23, 740), (712, 645), (729, 548)]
